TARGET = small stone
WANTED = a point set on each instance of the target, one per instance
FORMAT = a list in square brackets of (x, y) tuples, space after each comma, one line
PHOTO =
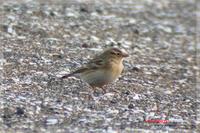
[(57, 56), (130, 106), (94, 39), (84, 9), (135, 69), (85, 45), (51, 121), (72, 14), (126, 92), (136, 31), (113, 101), (19, 111)]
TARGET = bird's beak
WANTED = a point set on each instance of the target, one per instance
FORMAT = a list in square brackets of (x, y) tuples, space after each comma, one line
[(125, 54)]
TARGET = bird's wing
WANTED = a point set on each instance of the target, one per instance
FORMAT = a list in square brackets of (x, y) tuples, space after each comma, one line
[(80, 70), (96, 63), (92, 65)]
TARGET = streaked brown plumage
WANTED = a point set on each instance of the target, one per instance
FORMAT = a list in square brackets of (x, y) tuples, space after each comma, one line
[(103, 68)]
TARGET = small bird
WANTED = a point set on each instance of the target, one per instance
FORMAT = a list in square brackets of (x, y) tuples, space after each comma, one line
[(102, 69)]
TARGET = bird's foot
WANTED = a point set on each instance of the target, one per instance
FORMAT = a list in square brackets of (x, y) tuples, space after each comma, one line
[(116, 91)]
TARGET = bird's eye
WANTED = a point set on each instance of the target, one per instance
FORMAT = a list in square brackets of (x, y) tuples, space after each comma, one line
[(118, 53)]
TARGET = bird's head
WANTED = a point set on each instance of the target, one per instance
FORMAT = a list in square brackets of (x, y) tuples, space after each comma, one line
[(115, 53)]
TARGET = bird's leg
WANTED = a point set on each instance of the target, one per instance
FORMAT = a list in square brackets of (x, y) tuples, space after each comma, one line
[(91, 95), (103, 89), (95, 91), (114, 90)]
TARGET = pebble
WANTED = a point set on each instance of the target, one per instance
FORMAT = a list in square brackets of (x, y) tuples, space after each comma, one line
[(51, 121)]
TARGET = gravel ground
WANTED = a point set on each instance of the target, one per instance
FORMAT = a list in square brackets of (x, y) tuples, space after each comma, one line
[(41, 40)]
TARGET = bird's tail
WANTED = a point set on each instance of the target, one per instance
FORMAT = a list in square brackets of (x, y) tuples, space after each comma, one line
[(74, 73), (66, 76)]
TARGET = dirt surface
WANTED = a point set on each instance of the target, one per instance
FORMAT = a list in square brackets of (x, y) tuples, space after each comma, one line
[(41, 40)]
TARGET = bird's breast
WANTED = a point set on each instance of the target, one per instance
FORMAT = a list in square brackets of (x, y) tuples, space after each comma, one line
[(101, 77), (117, 70)]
